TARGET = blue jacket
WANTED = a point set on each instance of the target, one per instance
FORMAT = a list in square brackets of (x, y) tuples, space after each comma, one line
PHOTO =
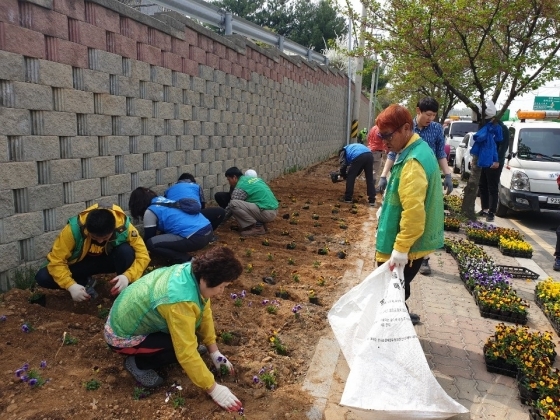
[(485, 144), (175, 221), (185, 189), (354, 150)]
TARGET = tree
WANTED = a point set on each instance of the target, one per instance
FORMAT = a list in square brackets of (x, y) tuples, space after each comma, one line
[(478, 50), (246, 9)]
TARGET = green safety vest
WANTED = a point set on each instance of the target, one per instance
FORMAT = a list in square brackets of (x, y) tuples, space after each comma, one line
[(257, 192), (432, 238)]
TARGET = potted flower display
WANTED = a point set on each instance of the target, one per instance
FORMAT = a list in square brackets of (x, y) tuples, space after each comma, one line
[(451, 224), (515, 247), (547, 297)]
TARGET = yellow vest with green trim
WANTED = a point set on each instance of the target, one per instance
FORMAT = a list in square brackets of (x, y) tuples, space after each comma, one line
[(389, 223), (135, 309)]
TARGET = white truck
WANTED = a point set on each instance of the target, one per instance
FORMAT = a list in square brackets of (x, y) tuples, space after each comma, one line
[(529, 178)]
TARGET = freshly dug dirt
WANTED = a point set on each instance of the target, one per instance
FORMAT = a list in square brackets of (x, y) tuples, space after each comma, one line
[(310, 217)]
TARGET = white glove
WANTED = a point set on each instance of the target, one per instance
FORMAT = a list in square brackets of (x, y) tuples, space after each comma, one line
[(78, 292), (120, 282), (225, 399), (219, 359), (398, 260), (448, 184)]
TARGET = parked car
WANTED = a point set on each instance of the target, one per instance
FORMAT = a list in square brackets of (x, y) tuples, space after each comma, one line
[(462, 161), (455, 134)]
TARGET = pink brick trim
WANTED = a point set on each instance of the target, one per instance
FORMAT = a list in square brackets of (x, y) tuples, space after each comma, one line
[(21, 40)]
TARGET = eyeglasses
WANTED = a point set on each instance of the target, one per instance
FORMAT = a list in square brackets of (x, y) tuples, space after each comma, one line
[(388, 136)]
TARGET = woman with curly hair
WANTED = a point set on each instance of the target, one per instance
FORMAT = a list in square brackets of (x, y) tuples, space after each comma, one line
[(155, 322), (180, 232)]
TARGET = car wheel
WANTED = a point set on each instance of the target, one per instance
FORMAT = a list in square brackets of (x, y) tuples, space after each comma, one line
[(501, 210), (456, 170), (464, 175)]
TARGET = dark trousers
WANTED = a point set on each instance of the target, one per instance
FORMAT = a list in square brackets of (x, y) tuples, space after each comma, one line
[(155, 352), (488, 188), (363, 162), (117, 261), (175, 247), (222, 198), (215, 215), (557, 253), (410, 271)]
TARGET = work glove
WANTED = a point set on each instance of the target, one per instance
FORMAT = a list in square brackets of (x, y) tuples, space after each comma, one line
[(78, 292), (219, 359), (448, 184), (398, 260), (120, 282), (225, 399), (382, 183)]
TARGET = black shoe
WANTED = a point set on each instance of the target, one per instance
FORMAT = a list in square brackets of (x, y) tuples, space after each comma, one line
[(556, 266), (372, 204), (414, 318), (490, 217), (482, 213), (344, 200), (425, 268)]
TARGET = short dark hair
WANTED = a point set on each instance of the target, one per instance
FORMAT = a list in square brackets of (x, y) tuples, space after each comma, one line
[(100, 222), (217, 266), (188, 176), (139, 201), (428, 104), (234, 171)]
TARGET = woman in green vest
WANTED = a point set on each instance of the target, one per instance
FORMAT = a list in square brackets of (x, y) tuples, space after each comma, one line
[(156, 320), (411, 222)]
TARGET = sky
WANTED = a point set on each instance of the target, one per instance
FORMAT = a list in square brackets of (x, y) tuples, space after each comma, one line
[(524, 102)]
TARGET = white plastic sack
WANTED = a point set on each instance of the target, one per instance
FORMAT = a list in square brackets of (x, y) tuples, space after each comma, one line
[(389, 374)]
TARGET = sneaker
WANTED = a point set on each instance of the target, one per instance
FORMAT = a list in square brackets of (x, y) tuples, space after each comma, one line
[(253, 231), (414, 318), (147, 378), (373, 204), (425, 268), (214, 238), (344, 200), (482, 213), (556, 266), (490, 217)]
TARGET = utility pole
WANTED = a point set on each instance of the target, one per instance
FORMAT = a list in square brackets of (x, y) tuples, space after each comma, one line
[(358, 78), (349, 99)]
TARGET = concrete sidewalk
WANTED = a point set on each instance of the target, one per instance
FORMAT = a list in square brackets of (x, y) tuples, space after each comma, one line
[(452, 334)]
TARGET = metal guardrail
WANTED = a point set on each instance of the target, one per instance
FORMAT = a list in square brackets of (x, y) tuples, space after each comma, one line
[(231, 24)]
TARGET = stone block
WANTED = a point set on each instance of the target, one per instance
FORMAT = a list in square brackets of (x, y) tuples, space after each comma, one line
[(54, 74), (101, 166), (110, 104), (140, 70), (105, 62), (82, 190), (187, 142), (147, 178), (96, 81), (209, 155), (201, 142), (192, 98), (21, 40), (9, 12), (4, 156), (149, 54), (145, 144), (156, 127), (43, 20), (66, 52), (133, 29), (216, 168), (175, 95), (52, 123), (11, 66), (76, 101), (21, 226), (154, 91), (165, 143), (10, 256), (176, 158), (47, 196), (198, 85), (65, 170), (133, 163), (87, 34), (101, 16), (193, 128), (176, 127), (72, 8), (222, 154), (39, 148), (193, 156), (118, 145), (160, 40), (166, 176), (15, 122), (185, 112), (127, 86), (208, 128), (143, 108), (98, 125), (130, 126), (115, 184), (158, 160), (44, 242), (172, 61), (121, 45), (166, 110), (198, 55), (63, 213), (206, 100), (201, 169), (6, 203), (81, 147)]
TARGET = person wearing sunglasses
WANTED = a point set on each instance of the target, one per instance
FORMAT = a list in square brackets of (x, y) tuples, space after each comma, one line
[(410, 226), (432, 133)]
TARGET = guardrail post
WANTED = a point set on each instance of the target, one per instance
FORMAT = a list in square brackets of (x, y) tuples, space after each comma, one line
[(281, 43), (228, 24), (309, 52)]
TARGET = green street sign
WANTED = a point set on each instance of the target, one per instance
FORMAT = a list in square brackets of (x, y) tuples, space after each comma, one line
[(546, 103)]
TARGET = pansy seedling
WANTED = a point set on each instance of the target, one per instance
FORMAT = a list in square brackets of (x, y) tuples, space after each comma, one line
[(2, 318), (25, 328)]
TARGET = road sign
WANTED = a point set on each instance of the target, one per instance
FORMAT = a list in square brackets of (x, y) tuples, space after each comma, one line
[(546, 103)]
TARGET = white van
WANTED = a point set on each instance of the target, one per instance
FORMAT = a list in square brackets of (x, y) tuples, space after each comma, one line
[(454, 135), (528, 179)]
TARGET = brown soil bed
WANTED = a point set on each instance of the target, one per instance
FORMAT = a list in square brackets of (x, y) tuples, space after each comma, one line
[(71, 367)]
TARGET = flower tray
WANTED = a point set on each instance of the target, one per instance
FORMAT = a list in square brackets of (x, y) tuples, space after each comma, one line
[(519, 272), (534, 414), (481, 241), (500, 366), (451, 228), (526, 395), (514, 319), (515, 253), (554, 322)]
